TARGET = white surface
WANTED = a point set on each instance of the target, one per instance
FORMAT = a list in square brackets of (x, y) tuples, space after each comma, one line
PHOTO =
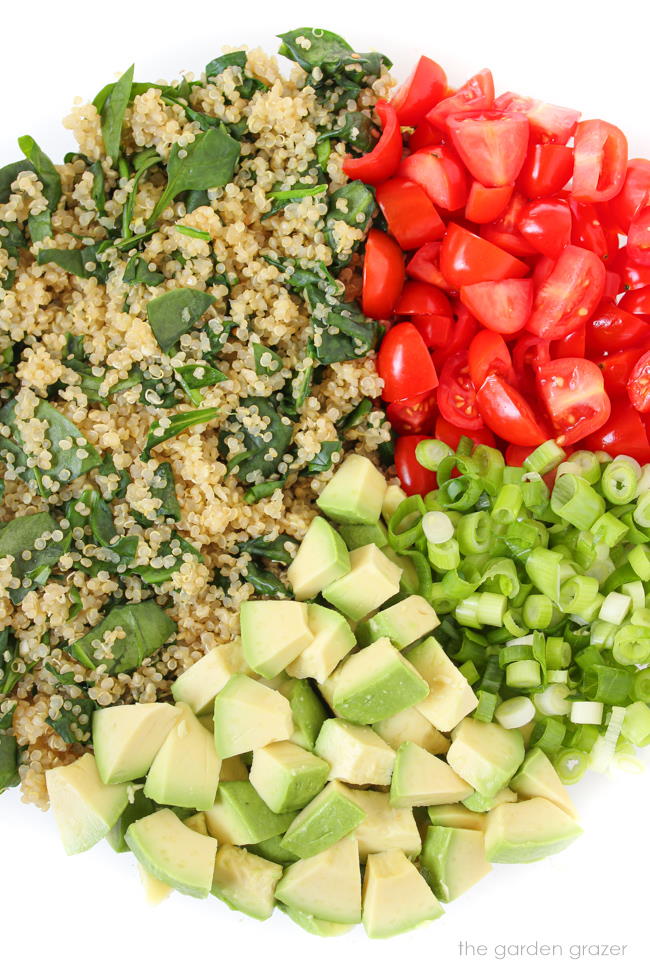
[(60, 915)]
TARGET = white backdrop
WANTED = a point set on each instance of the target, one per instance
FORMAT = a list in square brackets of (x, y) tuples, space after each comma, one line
[(63, 914)]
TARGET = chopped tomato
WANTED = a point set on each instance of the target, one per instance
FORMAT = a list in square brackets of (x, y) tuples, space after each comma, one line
[(638, 238), (632, 276), (503, 306), (613, 284), (414, 478), (440, 173), (488, 353), (492, 145), (574, 344), (418, 298), (550, 123), (637, 302), (404, 364), (505, 232), (476, 95), (464, 326), (418, 95), (486, 203), (574, 394), (613, 328), (569, 295), (508, 414), (434, 329), (425, 134), (414, 415), (456, 393), (528, 353), (622, 208), (638, 385), (425, 265), (383, 275), (411, 216), (546, 170), (589, 231), (382, 161), (616, 368), (546, 225), (515, 455), (466, 258), (623, 433), (451, 434), (600, 161)]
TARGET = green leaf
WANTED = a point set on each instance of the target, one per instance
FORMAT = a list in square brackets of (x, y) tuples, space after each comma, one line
[(146, 628), (274, 549), (193, 232), (74, 357), (70, 723), (162, 487), (39, 226), (9, 173), (196, 199), (9, 777), (75, 608), (324, 458), (144, 161), (178, 422), (172, 552), (357, 130), (75, 261), (359, 205), (264, 582), (196, 376), (343, 332), (98, 190), (120, 549), (7, 717), (112, 114), (19, 537), (337, 61), (137, 272), (218, 65), (44, 169), (355, 416), (108, 467), (264, 490), (267, 361), (175, 313), (254, 460)]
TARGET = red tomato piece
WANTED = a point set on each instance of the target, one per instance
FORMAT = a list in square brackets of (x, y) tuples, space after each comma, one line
[(456, 393), (476, 95), (503, 306), (637, 302), (546, 224), (633, 194), (546, 170), (574, 344), (638, 238), (382, 161), (418, 298), (466, 258), (588, 231), (463, 328), (616, 368), (623, 433), (492, 145), (569, 295), (613, 328), (383, 275), (573, 392), (550, 123), (488, 353), (632, 276), (434, 329), (418, 95), (486, 203), (415, 415), (505, 232), (451, 434), (424, 135), (411, 216), (613, 285), (600, 161), (425, 265), (414, 478), (515, 455), (440, 173), (638, 385), (404, 364), (508, 414)]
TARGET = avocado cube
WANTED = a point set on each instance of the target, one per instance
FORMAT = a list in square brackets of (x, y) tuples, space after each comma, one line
[(453, 860), (245, 882), (522, 832), (450, 695), (248, 715), (480, 803), (321, 559), (201, 682), (355, 494), (372, 580), (409, 583), (198, 823), (315, 925), (286, 776), (333, 640), (307, 710), (185, 772), (392, 500), (127, 738), (327, 885), (233, 770), (537, 777), (384, 827), (176, 855), (85, 809), (240, 817), (355, 754), (376, 683), (273, 850), (403, 623), (421, 779), (137, 808), (485, 755), (410, 725), (396, 897), (155, 890), (328, 818), (356, 536), (456, 814), (273, 633)]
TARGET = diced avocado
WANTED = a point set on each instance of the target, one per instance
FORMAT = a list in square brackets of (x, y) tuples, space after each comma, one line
[(403, 623), (314, 925), (376, 683), (409, 582), (287, 776), (185, 772), (170, 851), (480, 803), (233, 770), (537, 777), (521, 832), (239, 816), (273, 850), (248, 715), (392, 499), (333, 640), (328, 818), (245, 881), (355, 494), (356, 536), (396, 897), (137, 808), (307, 711), (84, 808), (273, 633), (371, 581), (327, 885), (485, 755), (355, 754), (450, 695), (456, 814), (421, 779), (321, 559), (384, 828), (154, 890), (127, 738), (200, 684), (453, 860), (197, 823), (410, 725)]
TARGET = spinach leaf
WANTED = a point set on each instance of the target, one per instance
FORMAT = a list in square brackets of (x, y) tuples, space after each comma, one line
[(65, 679), (9, 173), (267, 361), (358, 202), (207, 163), (7, 717), (120, 550), (217, 334), (137, 272), (236, 59), (193, 232), (39, 226), (142, 162), (175, 313), (265, 583), (73, 722), (357, 130), (171, 554), (112, 113), (25, 535), (74, 357), (76, 605), (12, 240), (83, 263), (106, 468), (178, 422), (8, 762), (196, 376), (274, 549), (337, 61), (163, 488), (325, 457), (264, 490), (196, 199), (343, 332), (44, 169), (98, 190), (262, 452), (355, 416), (146, 627)]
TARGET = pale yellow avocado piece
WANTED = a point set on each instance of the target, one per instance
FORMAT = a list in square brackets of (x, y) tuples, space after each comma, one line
[(421, 779), (84, 808), (127, 738), (453, 860), (480, 803), (356, 754), (392, 499), (396, 897), (455, 814), (198, 823), (376, 683), (451, 696), (155, 890), (485, 755), (286, 776), (327, 886), (371, 581), (355, 494), (185, 772), (321, 559), (537, 777), (166, 848), (248, 715), (384, 827), (245, 881), (273, 633), (233, 770), (522, 832), (333, 640), (201, 682), (411, 725), (402, 623)]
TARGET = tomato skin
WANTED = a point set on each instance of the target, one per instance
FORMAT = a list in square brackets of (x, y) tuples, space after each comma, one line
[(516, 455), (638, 238), (434, 329), (404, 364), (451, 434), (589, 232), (528, 353), (415, 415), (383, 275), (418, 95), (418, 298), (622, 208), (440, 173), (632, 276), (572, 345), (456, 393), (613, 285), (637, 301), (503, 306), (546, 170), (492, 145), (569, 295), (425, 265), (613, 328), (463, 328), (425, 134), (486, 203), (616, 368), (488, 353), (546, 224), (550, 123), (414, 478), (624, 433), (476, 95), (411, 217), (382, 161), (638, 385), (573, 392), (505, 233), (466, 258), (505, 411), (600, 161)]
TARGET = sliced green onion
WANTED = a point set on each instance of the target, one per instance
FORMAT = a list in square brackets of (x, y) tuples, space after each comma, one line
[(437, 527), (469, 672), (544, 458), (583, 463), (487, 702), (508, 504), (605, 748), (513, 652), (552, 701), (611, 685), (636, 592), (474, 533), (459, 493), (578, 594), (523, 536), (576, 501), (512, 475), (405, 524), (537, 612), (523, 673), (636, 724), (557, 676), (571, 764), (544, 571), (558, 653), (620, 480), (642, 511), (490, 466), (632, 645), (615, 608), (609, 530), (430, 453), (626, 759), (444, 556), (641, 686), (586, 712), (603, 634), (515, 713), (513, 623), (548, 734), (465, 446)]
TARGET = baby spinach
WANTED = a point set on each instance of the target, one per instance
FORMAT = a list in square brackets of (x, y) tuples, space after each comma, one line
[(196, 376), (163, 488), (196, 199), (12, 241), (76, 261), (355, 416), (74, 357), (146, 628), (274, 549), (273, 362), (44, 169), (120, 549), (39, 226), (324, 458), (8, 762), (217, 334), (357, 130), (154, 575), (69, 723), (17, 538), (112, 114), (264, 582), (339, 64), (264, 490), (175, 313), (9, 173), (343, 332), (7, 717), (99, 188), (137, 272), (178, 422), (358, 202), (106, 468), (235, 59), (274, 438), (142, 162)]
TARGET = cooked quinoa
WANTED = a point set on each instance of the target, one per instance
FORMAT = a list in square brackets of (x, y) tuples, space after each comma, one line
[(255, 350)]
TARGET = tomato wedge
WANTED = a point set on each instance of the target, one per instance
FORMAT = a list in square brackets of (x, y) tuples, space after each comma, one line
[(528, 353), (638, 238), (546, 170), (382, 161), (638, 385), (569, 295), (486, 203), (550, 123), (440, 173), (488, 353), (425, 265), (456, 393), (451, 434), (463, 328), (574, 344), (424, 135), (633, 194), (505, 232), (600, 161), (404, 364), (573, 392), (637, 302), (418, 95), (435, 329), (624, 433), (476, 95), (617, 367), (546, 225), (414, 478), (492, 145), (613, 328), (466, 258), (588, 230), (383, 275), (411, 216), (503, 306), (414, 415), (418, 298), (505, 411)]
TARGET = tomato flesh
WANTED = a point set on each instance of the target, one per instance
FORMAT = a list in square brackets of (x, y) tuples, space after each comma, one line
[(569, 295), (440, 173), (383, 275), (546, 170), (466, 258), (546, 225), (488, 353), (503, 306), (414, 478), (418, 95), (418, 298), (411, 216), (638, 385), (613, 328), (600, 161), (622, 208), (476, 95), (425, 265), (573, 392), (508, 414), (547, 122), (486, 203), (456, 393), (404, 364), (493, 145), (382, 161), (414, 415), (451, 434), (624, 433)]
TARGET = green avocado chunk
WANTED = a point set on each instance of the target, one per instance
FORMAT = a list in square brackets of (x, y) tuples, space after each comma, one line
[(127, 738), (245, 882), (355, 494), (328, 818), (522, 832), (485, 755), (327, 885), (537, 777), (371, 581), (273, 633), (421, 779), (84, 807), (287, 776), (240, 817), (403, 623), (176, 855), (376, 683), (396, 897), (453, 860), (315, 925), (185, 772), (333, 640), (321, 559), (248, 715)]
